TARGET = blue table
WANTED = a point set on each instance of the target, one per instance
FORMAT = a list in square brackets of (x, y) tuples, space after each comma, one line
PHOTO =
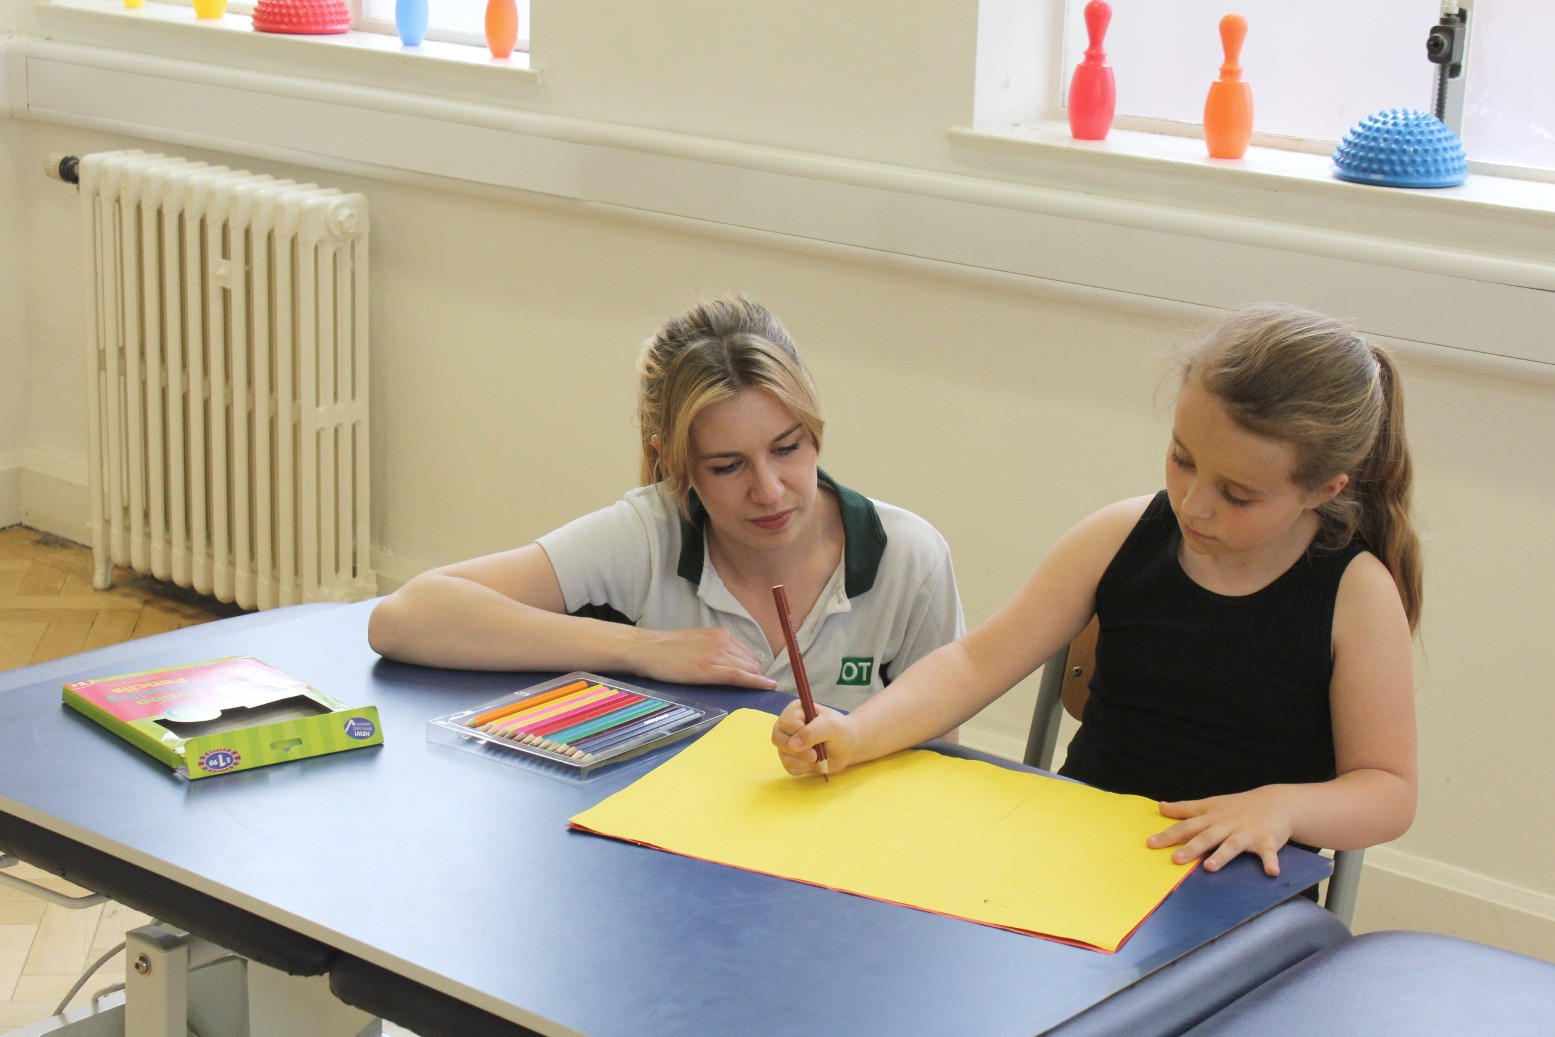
[(379, 866)]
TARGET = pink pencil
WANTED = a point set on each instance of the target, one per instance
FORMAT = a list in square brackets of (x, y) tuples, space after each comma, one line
[(582, 713)]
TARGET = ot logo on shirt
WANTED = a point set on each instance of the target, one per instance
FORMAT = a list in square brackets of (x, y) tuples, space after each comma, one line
[(856, 670)]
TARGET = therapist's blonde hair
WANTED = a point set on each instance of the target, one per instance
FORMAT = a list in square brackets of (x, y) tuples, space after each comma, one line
[(706, 355)]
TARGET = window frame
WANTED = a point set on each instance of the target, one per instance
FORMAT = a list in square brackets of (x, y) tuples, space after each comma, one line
[(436, 71), (362, 23), (1067, 43)]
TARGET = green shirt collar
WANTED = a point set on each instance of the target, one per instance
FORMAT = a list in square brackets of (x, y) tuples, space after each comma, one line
[(861, 526)]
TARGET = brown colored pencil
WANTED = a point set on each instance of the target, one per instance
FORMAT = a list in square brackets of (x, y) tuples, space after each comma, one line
[(801, 678)]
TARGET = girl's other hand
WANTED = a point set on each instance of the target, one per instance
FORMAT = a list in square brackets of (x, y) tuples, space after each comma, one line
[(1256, 822), (700, 655), (795, 740)]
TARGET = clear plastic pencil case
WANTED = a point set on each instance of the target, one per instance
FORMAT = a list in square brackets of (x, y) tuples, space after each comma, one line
[(572, 725)]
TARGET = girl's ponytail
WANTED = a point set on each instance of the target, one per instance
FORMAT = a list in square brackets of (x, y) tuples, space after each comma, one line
[(1384, 486)]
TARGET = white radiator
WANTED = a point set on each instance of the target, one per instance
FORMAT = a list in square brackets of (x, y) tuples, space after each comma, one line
[(228, 444)]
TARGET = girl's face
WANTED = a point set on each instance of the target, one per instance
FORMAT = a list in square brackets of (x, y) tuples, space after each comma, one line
[(753, 464), (1231, 489)]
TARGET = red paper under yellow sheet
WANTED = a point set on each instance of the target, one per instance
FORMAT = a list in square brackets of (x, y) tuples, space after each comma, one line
[(958, 837)]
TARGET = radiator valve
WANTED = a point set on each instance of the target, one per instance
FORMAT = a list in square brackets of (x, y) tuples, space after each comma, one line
[(62, 167)]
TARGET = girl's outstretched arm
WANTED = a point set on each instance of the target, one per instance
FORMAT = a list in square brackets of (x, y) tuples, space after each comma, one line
[(506, 612), (950, 685), (1372, 700)]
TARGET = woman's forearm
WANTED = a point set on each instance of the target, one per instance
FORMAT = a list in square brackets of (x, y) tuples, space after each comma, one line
[(442, 620)]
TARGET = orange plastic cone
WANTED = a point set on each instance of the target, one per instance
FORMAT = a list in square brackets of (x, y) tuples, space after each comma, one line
[(501, 27), (1228, 110)]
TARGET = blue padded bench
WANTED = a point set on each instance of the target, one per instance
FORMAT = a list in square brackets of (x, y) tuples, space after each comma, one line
[(1396, 982), (1218, 973)]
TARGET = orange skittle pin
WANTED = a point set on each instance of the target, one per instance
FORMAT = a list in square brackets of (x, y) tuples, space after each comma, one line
[(1228, 110)]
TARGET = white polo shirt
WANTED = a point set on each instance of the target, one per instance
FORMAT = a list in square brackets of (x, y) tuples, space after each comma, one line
[(891, 601)]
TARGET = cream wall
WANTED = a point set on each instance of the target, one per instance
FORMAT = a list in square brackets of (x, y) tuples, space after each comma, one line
[(807, 74), (13, 338), (504, 324)]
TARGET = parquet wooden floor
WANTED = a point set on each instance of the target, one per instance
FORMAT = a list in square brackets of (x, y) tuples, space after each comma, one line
[(49, 609)]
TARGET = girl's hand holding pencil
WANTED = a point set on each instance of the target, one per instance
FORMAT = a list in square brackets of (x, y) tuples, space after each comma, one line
[(801, 678), (796, 740)]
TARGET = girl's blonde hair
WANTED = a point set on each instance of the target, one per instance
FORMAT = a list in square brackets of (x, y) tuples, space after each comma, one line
[(706, 355), (1307, 380)]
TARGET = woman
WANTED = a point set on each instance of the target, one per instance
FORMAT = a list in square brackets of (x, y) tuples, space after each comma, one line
[(674, 581)]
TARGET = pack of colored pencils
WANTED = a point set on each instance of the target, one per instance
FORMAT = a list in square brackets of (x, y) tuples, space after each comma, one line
[(579, 721)]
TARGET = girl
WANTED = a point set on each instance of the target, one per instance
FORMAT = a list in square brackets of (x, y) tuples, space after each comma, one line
[(675, 580), (1253, 668)]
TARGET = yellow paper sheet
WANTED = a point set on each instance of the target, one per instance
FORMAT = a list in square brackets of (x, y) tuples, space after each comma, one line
[(958, 837)]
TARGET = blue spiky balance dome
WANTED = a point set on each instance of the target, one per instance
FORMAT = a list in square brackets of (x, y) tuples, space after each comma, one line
[(1401, 148)]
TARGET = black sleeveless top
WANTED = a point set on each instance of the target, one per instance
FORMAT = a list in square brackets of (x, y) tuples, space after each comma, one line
[(1198, 694)]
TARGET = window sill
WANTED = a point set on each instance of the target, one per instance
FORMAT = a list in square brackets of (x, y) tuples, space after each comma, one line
[(368, 59), (1493, 215)]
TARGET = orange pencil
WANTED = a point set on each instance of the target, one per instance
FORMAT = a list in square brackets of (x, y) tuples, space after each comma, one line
[(527, 717), (507, 725), (502, 711), (801, 678)]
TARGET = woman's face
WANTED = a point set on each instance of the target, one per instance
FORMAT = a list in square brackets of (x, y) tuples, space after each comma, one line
[(753, 465)]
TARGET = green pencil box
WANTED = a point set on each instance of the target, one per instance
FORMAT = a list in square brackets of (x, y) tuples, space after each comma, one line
[(223, 715)]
